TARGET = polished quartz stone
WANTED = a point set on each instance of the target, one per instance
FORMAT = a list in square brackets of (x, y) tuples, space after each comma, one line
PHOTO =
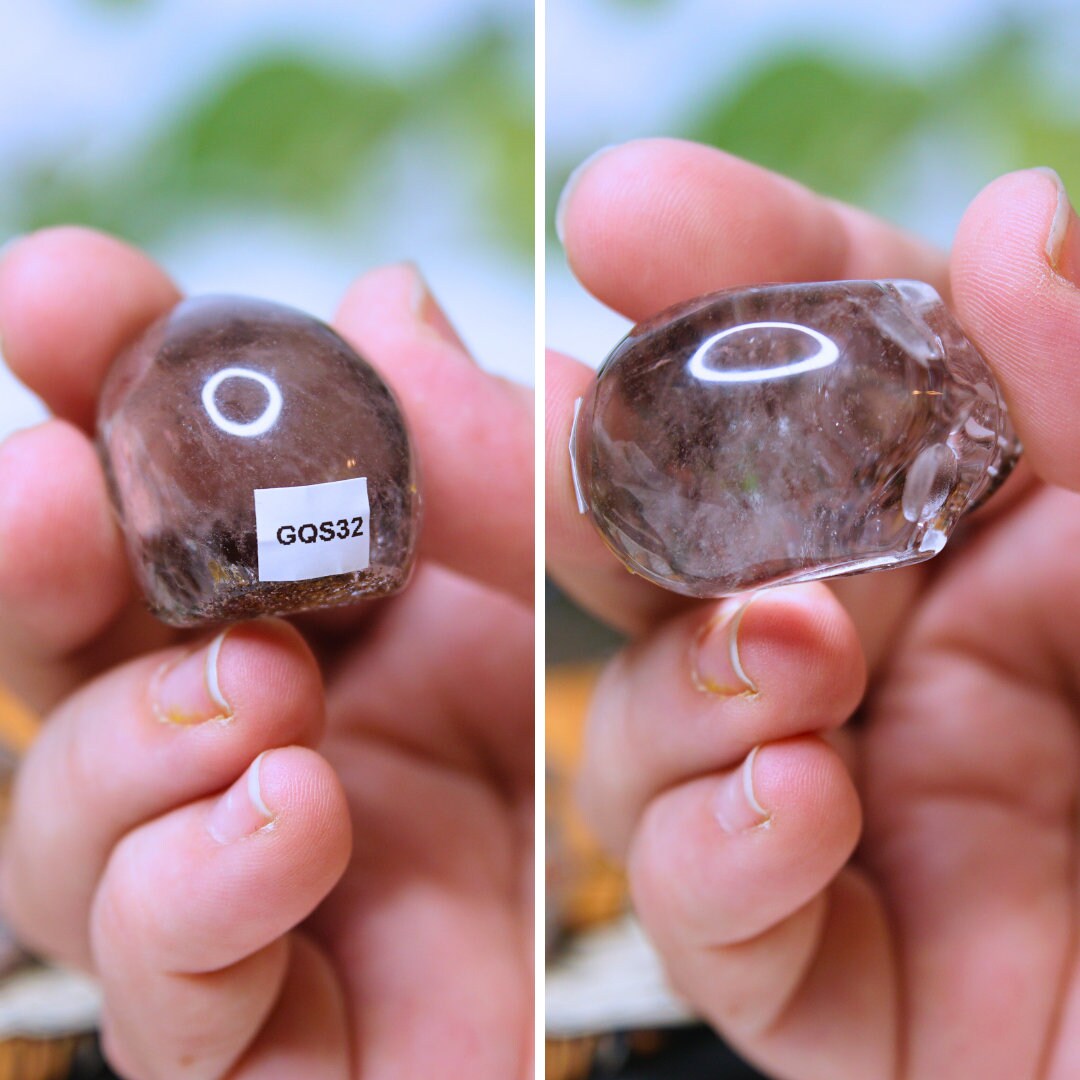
[(257, 464), (788, 432)]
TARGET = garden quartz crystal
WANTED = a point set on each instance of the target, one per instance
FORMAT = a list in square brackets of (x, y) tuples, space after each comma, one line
[(257, 464), (784, 433)]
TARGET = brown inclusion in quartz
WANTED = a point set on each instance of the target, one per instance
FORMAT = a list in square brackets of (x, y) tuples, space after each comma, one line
[(789, 432), (292, 405)]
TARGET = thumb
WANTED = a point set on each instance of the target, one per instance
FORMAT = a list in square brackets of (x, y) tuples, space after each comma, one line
[(1016, 287)]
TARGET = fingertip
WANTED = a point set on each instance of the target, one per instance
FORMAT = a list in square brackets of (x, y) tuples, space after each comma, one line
[(1031, 198), (804, 628), (573, 182), (795, 647), (400, 294), (269, 662), (402, 287), (70, 299), (146, 742), (1015, 287), (213, 882), (280, 873), (392, 287), (655, 221), (303, 791), (711, 872), (805, 779)]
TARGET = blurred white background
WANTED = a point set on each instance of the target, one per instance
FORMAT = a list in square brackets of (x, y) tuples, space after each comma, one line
[(279, 149)]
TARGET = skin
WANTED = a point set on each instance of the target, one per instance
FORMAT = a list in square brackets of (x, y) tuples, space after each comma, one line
[(907, 910), (380, 925)]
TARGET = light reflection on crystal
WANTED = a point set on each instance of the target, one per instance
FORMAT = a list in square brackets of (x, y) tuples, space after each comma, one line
[(247, 429)]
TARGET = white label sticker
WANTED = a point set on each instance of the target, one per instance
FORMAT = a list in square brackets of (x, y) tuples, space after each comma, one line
[(313, 530)]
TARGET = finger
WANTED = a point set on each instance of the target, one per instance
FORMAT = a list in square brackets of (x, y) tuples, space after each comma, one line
[(735, 878), (42, 683), (446, 669), (473, 431), (70, 300), (976, 859), (210, 883), (431, 895), (204, 1031), (710, 685), (190, 897), (1016, 280), (435, 711), (137, 742), (303, 1033), (306, 1034), (63, 573), (656, 221)]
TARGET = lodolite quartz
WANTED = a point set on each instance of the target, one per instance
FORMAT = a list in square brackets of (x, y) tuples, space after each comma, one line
[(788, 432), (258, 465)]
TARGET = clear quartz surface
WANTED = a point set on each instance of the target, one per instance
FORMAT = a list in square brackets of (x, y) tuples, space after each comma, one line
[(226, 395), (789, 432)]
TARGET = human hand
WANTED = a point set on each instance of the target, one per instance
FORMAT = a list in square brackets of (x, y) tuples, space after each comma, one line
[(319, 864), (894, 896)]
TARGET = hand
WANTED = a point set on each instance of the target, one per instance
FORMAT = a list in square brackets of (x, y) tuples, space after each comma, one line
[(322, 867), (897, 897)]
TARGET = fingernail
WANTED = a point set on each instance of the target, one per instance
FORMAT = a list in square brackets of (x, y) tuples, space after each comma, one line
[(186, 691), (568, 190), (715, 664), (428, 312), (241, 811), (1063, 241), (735, 803)]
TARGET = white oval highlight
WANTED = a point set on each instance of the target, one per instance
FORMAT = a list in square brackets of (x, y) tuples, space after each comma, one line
[(828, 353), (262, 423)]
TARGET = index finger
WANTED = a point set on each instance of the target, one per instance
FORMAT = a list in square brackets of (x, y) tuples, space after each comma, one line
[(657, 221), (70, 300), (473, 430)]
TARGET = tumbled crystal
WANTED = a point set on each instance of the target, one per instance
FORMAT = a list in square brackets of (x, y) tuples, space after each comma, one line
[(788, 432), (258, 465)]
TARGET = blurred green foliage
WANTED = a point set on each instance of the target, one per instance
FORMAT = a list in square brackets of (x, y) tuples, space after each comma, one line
[(828, 125), (297, 133), (838, 126), (282, 130), (843, 127)]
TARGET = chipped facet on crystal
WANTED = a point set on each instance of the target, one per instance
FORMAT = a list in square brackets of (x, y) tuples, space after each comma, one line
[(257, 464), (785, 433)]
